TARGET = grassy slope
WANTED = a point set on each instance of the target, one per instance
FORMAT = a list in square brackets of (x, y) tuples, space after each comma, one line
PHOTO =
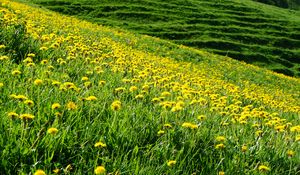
[(292, 4), (239, 101), (253, 32)]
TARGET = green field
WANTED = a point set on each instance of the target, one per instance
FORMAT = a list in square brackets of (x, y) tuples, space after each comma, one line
[(82, 98), (260, 34)]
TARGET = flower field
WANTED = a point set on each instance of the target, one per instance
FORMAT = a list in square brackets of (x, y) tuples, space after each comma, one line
[(80, 98)]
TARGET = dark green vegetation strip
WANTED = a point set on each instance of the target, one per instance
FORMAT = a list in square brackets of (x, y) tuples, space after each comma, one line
[(238, 29)]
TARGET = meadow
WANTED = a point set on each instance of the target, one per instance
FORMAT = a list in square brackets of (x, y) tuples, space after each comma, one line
[(81, 98), (256, 33)]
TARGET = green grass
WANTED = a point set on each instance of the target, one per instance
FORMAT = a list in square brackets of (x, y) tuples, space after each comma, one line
[(256, 33), (72, 58)]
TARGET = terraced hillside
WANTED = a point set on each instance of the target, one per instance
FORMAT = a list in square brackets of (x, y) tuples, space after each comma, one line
[(245, 30), (292, 4)]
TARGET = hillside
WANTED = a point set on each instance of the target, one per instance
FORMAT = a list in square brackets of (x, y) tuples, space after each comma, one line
[(81, 98), (292, 4), (244, 30)]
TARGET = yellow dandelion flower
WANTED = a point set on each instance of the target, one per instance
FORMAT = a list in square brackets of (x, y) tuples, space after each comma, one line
[(119, 90), (71, 106), (189, 125), (2, 46), (116, 105), (56, 171), (13, 115), (43, 62), (29, 103), (26, 116), (221, 173), (38, 82), (165, 94), (84, 78), (52, 131), (290, 153), (101, 83), (100, 145), (244, 148), (2, 58), (171, 163), (167, 125), (139, 96), (55, 83), (30, 65), (16, 72), (39, 172), (99, 170), (43, 48), (31, 55), (55, 106), (155, 100), (263, 168), (27, 60), (258, 133), (1, 85), (201, 117), (220, 146), (160, 132), (133, 88), (91, 98), (220, 138)]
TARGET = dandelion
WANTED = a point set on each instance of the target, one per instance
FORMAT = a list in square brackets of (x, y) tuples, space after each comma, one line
[(38, 82), (91, 98), (2, 46), (43, 48), (100, 145), (56, 171), (43, 62), (116, 105), (171, 163), (258, 133), (189, 125), (221, 173), (244, 148), (1, 85), (16, 72), (220, 146), (52, 131), (155, 100), (101, 83), (31, 55), (71, 106), (26, 116), (30, 103), (119, 90), (39, 172), (55, 106), (84, 78), (167, 125), (160, 132), (201, 117), (133, 88), (290, 153), (220, 138), (2, 58), (139, 96), (99, 170), (263, 168), (13, 115)]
